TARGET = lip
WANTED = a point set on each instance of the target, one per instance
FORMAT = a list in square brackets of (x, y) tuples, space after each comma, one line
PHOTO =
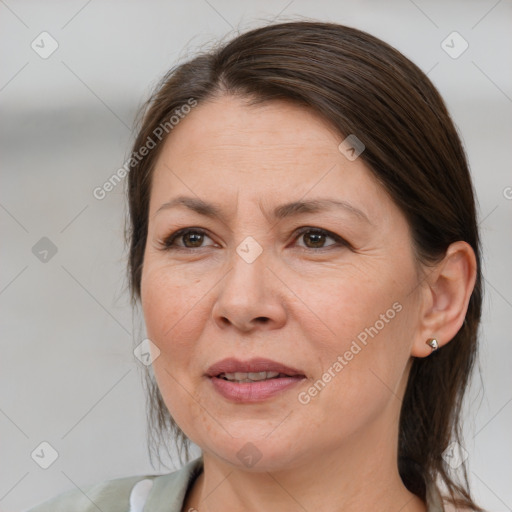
[(232, 365), (250, 392)]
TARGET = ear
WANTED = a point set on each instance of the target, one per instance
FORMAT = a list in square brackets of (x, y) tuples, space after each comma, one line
[(446, 293)]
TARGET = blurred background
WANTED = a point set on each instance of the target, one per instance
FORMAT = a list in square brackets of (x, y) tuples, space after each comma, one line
[(73, 74)]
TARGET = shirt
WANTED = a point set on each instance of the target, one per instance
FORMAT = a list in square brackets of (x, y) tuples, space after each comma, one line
[(151, 493)]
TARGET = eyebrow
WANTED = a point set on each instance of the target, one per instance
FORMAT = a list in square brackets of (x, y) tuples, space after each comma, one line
[(286, 210)]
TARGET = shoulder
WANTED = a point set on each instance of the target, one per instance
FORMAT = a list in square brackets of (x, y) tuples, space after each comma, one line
[(111, 496), (124, 494)]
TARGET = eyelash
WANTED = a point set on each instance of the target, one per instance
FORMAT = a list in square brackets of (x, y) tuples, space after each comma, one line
[(168, 243)]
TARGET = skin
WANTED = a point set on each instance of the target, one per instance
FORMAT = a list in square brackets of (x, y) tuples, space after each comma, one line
[(296, 303)]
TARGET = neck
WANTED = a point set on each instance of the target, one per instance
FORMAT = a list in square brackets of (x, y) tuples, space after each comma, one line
[(358, 476)]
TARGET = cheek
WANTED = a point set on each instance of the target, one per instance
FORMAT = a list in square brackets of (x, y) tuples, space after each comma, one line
[(353, 304), (171, 306), (169, 301), (367, 344), (362, 371)]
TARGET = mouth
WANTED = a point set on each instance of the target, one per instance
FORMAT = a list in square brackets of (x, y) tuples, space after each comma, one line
[(251, 376), (252, 381), (253, 370)]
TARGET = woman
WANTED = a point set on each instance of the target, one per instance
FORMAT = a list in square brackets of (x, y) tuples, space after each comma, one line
[(304, 245)]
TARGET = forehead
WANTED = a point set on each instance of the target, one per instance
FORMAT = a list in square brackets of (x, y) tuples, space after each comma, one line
[(230, 149), (230, 125)]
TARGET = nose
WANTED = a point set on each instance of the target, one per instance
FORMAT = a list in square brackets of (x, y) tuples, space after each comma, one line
[(250, 297)]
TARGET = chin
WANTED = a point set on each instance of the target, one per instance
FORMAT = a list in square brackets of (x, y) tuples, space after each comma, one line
[(256, 455)]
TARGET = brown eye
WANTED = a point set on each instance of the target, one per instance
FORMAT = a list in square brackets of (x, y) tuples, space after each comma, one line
[(314, 239), (186, 239), (192, 239), (317, 238)]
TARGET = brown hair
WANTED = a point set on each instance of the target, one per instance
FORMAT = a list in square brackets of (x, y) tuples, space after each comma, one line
[(361, 86)]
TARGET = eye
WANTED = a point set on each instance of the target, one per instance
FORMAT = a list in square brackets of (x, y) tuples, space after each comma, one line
[(190, 238), (315, 238), (194, 238)]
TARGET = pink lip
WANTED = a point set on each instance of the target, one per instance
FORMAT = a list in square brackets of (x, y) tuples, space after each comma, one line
[(252, 391), (232, 365)]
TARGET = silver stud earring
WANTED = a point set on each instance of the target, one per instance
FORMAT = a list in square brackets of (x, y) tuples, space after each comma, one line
[(433, 344)]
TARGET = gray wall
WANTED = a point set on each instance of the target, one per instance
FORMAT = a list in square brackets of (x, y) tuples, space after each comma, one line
[(67, 372)]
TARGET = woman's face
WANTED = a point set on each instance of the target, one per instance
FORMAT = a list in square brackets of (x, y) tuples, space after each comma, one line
[(272, 268)]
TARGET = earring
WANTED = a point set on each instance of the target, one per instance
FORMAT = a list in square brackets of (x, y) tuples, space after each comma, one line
[(433, 344)]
